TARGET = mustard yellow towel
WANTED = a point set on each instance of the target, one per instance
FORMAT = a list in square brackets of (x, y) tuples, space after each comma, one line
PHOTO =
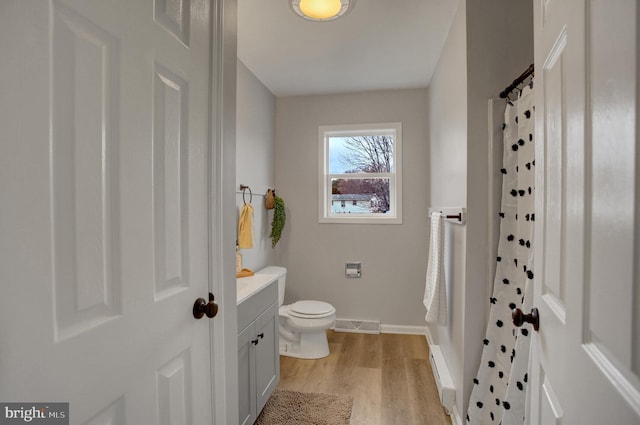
[(245, 225), (245, 273)]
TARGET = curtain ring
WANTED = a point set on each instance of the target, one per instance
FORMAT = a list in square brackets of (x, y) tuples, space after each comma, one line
[(243, 188)]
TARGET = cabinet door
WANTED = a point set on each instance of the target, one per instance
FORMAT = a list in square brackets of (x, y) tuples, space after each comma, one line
[(267, 354), (247, 375)]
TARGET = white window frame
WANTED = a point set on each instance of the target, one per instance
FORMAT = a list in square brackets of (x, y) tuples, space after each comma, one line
[(326, 215)]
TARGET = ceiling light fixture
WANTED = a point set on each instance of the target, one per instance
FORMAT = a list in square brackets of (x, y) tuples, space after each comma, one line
[(321, 10)]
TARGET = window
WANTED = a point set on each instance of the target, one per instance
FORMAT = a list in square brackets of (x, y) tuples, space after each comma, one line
[(360, 175)]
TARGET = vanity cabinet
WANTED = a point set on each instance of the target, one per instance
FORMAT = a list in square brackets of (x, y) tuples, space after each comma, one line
[(258, 351)]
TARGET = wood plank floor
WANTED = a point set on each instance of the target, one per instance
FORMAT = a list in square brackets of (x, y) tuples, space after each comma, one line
[(388, 375)]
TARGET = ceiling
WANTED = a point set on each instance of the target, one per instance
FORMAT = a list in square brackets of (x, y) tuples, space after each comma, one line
[(380, 44)]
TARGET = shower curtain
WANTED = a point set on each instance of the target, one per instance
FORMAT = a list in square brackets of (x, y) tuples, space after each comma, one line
[(499, 392)]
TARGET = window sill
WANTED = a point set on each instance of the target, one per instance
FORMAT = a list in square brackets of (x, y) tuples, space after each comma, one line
[(360, 220)]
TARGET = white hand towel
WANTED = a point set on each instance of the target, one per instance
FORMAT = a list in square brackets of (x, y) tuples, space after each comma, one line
[(435, 291)]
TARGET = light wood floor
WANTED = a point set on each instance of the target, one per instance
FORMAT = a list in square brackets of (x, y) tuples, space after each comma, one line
[(389, 377)]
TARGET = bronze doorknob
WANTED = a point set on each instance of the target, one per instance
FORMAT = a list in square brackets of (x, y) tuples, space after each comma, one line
[(519, 318), (201, 307)]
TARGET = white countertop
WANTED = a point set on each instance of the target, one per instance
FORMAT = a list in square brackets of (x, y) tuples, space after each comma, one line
[(247, 286)]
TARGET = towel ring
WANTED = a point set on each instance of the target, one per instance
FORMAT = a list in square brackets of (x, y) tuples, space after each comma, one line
[(243, 188)]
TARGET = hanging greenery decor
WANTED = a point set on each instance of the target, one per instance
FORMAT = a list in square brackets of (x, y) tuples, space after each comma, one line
[(279, 218)]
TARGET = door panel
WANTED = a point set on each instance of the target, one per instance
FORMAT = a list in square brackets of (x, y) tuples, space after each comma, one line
[(174, 16), (84, 166), (611, 331), (585, 357), (104, 247), (110, 415), (170, 179), (174, 390), (613, 90), (553, 290), (550, 409)]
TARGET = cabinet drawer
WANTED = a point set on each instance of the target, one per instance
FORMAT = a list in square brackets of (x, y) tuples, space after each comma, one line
[(253, 306)]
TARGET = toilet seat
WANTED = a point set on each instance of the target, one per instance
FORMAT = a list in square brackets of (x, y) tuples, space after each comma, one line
[(310, 309)]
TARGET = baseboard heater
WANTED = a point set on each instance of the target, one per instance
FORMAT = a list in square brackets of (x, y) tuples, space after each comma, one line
[(357, 326), (444, 382)]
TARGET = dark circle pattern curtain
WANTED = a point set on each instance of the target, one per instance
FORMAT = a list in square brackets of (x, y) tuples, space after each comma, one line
[(499, 392)]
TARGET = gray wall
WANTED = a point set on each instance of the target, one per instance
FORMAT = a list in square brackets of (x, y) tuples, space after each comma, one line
[(489, 44), (448, 167), (255, 160), (393, 257)]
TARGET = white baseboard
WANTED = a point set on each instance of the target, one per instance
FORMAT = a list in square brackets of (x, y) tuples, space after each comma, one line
[(427, 334), (455, 417), (442, 376), (390, 329), (387, 329), (401, 329)]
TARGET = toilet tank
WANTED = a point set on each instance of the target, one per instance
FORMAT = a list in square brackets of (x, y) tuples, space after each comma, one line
[(281, 273)]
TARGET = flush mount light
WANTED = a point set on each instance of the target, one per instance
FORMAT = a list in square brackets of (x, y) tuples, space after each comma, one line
[(321, 10)]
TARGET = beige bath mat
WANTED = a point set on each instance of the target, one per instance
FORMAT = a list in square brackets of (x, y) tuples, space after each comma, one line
[(296, 408)]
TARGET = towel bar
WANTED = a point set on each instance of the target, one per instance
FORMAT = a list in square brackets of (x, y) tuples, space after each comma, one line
[(457, 215)]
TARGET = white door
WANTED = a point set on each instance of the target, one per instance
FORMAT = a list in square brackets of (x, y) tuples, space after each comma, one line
[(103, 224), (586, 356)]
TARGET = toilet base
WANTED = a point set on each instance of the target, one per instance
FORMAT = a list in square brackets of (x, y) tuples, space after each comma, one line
[(307, 345)]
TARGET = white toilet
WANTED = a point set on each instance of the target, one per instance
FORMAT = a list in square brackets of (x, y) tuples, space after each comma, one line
[(303, 324)]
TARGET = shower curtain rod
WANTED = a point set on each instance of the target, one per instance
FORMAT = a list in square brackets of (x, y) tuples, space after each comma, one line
[(504, 93)]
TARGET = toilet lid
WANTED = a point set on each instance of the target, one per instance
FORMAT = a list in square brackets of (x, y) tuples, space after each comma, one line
[(311, 309)]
